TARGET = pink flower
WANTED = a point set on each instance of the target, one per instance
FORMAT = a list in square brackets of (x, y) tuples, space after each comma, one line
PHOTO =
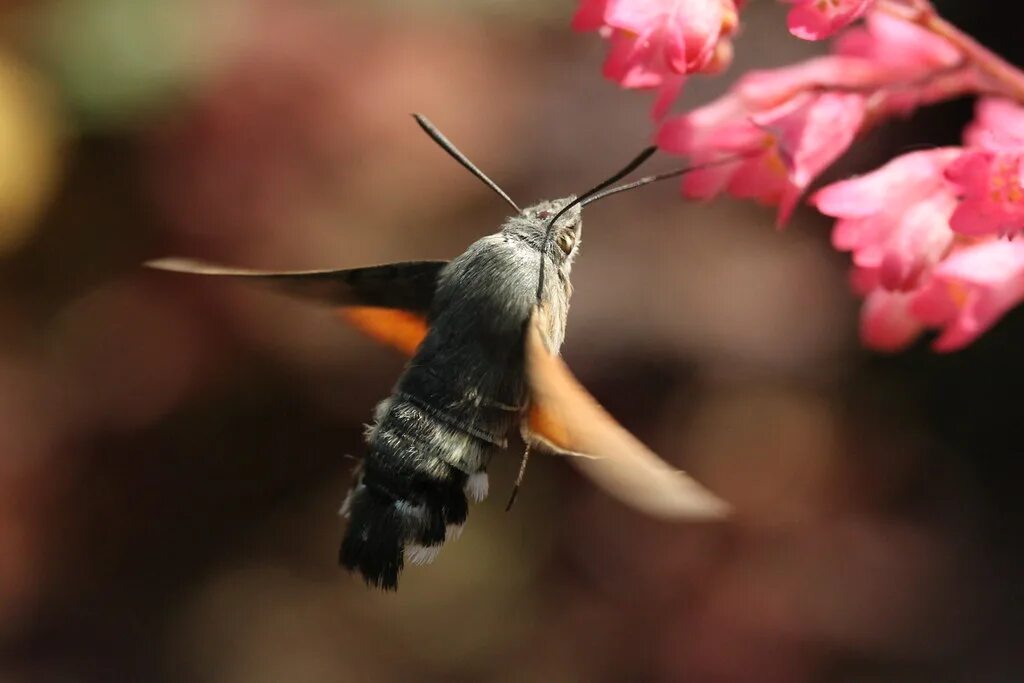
[(990, 172), (818, 19), (886, 52), (918, 67), (590, 15), (992, 195), (913, 270), (971, 290), (769, 87), (635, 62), (655, 43), (686, 30), (886, 321), (895, 219), (967, 294), (997, 122), (901, 47), (898, 65), (783, 148)]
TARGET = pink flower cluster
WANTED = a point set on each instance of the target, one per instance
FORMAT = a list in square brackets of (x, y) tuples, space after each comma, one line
[(657, 43), (785, 126), (930, 233), (927, 230)]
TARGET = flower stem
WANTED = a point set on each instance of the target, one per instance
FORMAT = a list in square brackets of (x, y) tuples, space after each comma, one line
[(1007, 77)]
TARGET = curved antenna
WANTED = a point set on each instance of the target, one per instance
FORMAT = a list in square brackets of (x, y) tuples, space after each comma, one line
[(625, 171), (647, 180), (446, 144)]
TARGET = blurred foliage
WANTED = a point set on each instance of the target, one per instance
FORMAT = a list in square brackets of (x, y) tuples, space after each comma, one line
[(117, 61)]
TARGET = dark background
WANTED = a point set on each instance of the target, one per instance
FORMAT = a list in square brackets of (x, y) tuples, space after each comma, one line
[(173, 453)]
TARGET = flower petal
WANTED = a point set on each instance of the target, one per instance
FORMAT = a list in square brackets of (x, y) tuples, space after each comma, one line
[(819, 19)]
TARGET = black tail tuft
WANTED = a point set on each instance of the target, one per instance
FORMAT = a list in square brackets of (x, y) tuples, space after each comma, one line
[(382, 522), (375, 539)]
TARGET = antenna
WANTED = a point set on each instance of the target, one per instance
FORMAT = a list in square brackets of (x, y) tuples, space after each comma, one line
[(446, 144), (626, 170), (647, 180)]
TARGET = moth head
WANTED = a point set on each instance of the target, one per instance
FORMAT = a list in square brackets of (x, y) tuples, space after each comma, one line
[(532, 224)]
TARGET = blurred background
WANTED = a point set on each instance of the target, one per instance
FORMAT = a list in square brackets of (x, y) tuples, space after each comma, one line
[(173, 452)]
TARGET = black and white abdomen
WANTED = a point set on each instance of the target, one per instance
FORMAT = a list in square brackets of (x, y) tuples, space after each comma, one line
[(411, 493)]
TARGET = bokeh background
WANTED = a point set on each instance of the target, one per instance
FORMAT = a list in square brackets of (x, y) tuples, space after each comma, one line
[(173, 452)]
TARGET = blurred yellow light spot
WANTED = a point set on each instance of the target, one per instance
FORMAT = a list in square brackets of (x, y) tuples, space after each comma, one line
[(29, 151)]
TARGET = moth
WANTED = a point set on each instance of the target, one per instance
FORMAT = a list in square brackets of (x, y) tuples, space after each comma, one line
[(483, 333)]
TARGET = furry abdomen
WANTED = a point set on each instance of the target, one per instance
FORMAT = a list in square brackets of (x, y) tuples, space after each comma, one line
[(412, 492)]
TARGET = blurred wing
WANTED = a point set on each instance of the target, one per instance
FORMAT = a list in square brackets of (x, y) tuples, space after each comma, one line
[(396, 328), (566, 418), (389, 303)]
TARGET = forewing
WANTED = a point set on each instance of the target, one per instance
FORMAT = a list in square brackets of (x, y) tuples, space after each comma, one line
[(566, 418), (389, 302)]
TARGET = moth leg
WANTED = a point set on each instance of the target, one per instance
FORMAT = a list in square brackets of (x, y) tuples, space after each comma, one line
[(519, 477)]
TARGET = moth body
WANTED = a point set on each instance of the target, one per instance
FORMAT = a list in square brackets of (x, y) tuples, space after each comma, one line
[(458, 398)]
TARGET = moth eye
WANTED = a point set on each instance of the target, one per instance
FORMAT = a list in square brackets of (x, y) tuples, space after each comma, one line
[(543, 214), (566, 241)]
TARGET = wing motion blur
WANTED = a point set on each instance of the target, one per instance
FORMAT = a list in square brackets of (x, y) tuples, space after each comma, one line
[(565, 418), (389, 302)]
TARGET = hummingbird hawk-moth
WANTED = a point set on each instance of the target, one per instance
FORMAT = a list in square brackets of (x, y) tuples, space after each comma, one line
[(483, 332)]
